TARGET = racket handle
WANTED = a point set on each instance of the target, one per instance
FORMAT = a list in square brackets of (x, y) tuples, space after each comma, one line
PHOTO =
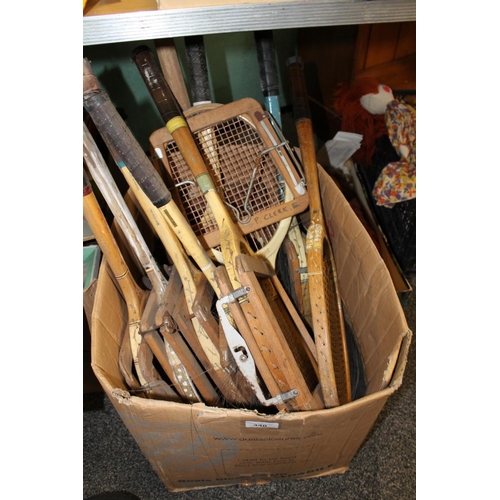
[(197, 64), (268, 71), (172, 115), (300, 101), (119, 137), (107, 243), (157, 86), (305, 134)]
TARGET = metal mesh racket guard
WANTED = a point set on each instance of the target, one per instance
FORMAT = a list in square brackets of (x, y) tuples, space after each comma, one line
[(253, 171)]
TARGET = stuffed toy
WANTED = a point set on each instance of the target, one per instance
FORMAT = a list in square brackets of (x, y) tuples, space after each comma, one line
[(370, 109), (361, 106)]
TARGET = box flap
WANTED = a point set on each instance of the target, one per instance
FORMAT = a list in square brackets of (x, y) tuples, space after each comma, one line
[(365, 284)]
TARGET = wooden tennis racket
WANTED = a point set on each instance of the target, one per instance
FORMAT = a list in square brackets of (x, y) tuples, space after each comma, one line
[(123, 146), (175, 358), (326, 305), (291, 260), (290, 368), (243, 155), (112, 127), (267, 240)]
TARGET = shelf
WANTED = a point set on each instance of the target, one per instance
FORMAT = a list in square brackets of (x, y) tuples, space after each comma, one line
[(176, 22)]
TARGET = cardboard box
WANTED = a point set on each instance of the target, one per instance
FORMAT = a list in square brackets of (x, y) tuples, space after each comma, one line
[(196, 446)]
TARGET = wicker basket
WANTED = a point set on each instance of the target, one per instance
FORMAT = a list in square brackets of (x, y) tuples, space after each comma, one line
[(397, 223)]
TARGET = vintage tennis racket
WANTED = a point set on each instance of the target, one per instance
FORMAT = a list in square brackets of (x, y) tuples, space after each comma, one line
[(175, 358), (112, 127), (268, 239), (285, 350), (244, 172), (291, 264), (326, 305)]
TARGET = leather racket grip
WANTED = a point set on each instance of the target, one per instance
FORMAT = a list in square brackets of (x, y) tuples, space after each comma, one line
[(156, 84), (197, 65), (300, 102), (118, 136), (268, 70)]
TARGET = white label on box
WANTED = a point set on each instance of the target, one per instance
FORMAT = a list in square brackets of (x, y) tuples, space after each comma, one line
[(265, 425)]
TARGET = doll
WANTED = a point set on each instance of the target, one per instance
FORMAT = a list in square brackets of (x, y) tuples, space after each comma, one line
[(369, 108)]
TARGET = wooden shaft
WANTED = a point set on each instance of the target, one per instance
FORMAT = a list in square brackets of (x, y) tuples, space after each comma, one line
[(309, 162), (134, 296), (169, 62), (190, 280)]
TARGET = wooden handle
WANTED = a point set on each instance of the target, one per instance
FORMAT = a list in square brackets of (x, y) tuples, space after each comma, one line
[(169, 110), (303, 123), (113, 129), (107, 243)]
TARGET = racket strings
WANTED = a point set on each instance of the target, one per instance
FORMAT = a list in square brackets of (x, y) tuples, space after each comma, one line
[(244, 172)]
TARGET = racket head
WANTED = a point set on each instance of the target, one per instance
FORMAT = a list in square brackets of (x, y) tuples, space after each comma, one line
[(243, 138)]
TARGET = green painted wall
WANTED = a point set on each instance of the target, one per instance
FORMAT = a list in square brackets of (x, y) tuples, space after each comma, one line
[(232, 65)]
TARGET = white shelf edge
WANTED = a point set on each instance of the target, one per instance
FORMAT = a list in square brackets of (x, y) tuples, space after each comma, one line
[(149, 25)]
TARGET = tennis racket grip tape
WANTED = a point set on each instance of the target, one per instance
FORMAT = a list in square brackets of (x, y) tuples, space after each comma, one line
[(268, 70), (119, 138), (156, 84)]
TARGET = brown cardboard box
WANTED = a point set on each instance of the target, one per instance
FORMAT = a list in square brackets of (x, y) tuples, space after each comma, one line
[(196, 446)]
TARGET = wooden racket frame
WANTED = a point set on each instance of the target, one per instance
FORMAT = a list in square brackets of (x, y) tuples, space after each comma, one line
[(202, 335), (201, 98), (251, 112), (327, 318), (294, 243), (273, 346)]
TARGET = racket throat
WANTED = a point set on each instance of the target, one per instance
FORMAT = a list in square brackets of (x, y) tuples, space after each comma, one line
[(242, 354)]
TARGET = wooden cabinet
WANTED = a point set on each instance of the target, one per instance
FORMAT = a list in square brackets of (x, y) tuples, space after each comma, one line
[(337, 54)]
